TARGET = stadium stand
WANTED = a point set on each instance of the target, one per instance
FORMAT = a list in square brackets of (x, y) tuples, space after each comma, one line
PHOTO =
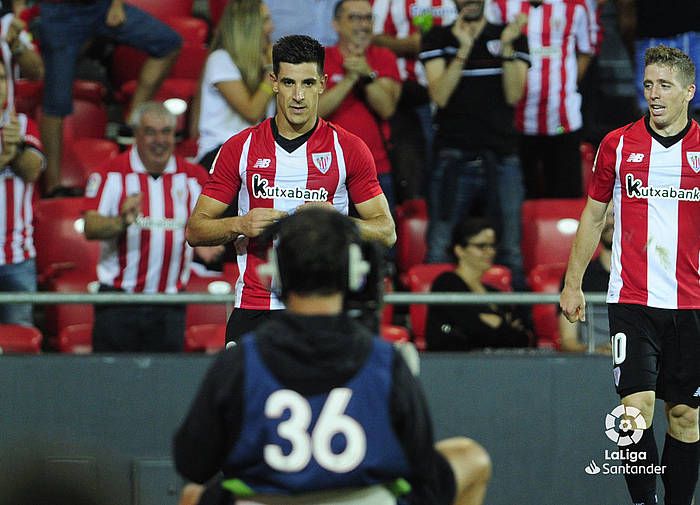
[(546, 279)]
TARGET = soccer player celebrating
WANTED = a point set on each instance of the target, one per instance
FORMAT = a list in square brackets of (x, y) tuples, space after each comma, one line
[(293, 159), (650, 169)]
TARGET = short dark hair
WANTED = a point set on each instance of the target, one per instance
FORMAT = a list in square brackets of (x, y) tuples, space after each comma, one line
[(296, 49), (312, 251), (465, 230), (672, 58)]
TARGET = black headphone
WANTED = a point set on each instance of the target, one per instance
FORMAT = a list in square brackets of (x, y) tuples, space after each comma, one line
[(353, 267)]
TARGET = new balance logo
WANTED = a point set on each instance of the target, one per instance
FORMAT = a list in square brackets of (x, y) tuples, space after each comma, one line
[(697, 394), (262, 163), (635, 158)]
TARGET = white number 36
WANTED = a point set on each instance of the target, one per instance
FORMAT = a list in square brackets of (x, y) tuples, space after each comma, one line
[(317, 444)]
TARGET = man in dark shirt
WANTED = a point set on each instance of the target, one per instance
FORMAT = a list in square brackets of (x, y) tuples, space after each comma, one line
[(312, 402), (476, 72)]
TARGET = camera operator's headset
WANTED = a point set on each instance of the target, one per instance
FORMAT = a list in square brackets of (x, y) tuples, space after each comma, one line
[(355, 270)]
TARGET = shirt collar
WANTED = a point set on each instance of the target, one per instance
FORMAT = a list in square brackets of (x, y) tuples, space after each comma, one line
[(138, 166)]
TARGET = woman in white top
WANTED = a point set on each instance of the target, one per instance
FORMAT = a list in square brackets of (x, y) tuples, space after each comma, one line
[(236, 92)]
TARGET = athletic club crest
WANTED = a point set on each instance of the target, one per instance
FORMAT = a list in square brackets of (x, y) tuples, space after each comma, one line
[(693, 160), (322, 161)]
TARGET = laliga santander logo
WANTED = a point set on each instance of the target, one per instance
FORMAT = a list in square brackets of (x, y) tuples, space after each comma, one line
[(623, 420)]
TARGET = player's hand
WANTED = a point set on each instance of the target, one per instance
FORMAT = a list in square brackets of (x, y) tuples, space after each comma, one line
[(357, 65), (255, 221), (131, 208), (115, 15), (11, 132), (190, 494), (573, 304), (514, 29), (464, 33)]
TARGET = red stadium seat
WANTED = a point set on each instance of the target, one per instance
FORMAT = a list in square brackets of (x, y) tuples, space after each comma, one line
[(16, 338), (59, 240), (587, 159), (82, 156), (420, 278), (164, 9), (91, 91), (499, 277), (60, 316), (549, 227), (411, 228), (394, 333), (545, 317), (28, 96), (75, 339), (388, 310), (216, 9), (208, 338), (205, 313)]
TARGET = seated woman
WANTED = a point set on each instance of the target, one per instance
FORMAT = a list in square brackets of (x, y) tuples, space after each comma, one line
[(236, 91), (469, 327)]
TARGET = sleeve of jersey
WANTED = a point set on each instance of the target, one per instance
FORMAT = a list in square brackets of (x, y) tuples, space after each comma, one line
[(102, 193), (31, 136), (583, 30), (361, 179), (224, 180), (603, 179), (495, 12), (430, 46)]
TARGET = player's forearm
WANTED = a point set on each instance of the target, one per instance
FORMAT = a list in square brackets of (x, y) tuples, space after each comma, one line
[(514, 77), (380, 229), (382, 101), (331, 99), (208, 231), (583, 61), (442, 89), (409, 46), (31, 66), (99, 227)]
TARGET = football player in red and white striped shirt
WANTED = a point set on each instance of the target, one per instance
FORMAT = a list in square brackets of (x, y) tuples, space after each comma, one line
[(273, 168), (549, 114), (21, 163), (650, 170), (140, 205)]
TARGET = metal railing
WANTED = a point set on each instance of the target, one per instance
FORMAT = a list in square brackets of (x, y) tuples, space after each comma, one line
[(50, 298)]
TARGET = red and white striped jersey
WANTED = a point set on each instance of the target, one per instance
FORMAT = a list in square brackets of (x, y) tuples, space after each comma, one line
[(594, 9), (333, 165), (16, 229), (656, 203), (556, 31), (402, 18), (152, 256)]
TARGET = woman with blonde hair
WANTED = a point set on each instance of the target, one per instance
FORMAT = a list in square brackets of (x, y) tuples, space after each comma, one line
[(235, 91)]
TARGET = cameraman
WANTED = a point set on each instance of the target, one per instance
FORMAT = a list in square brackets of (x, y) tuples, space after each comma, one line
[(313, 402)]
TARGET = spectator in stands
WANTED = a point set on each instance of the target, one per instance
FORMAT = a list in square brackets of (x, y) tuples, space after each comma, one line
[(549, 115), (310, 368), (476, 72), (66, 26), (140, 204), (470, 327), (17, 47), (647, 23), (236, 90), (399, 25), (363, 85), (304, 17), (21, 163), (574, 336)]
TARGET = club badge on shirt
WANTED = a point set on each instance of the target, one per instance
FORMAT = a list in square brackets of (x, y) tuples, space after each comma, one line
[(693, 160), (322, 161)]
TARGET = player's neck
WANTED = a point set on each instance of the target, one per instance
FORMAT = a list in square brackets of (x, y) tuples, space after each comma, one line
[(674, 128), (290, 131), (314, 305)]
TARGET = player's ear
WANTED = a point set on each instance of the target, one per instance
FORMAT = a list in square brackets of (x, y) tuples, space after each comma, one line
[(274, 82), (323, 81)]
